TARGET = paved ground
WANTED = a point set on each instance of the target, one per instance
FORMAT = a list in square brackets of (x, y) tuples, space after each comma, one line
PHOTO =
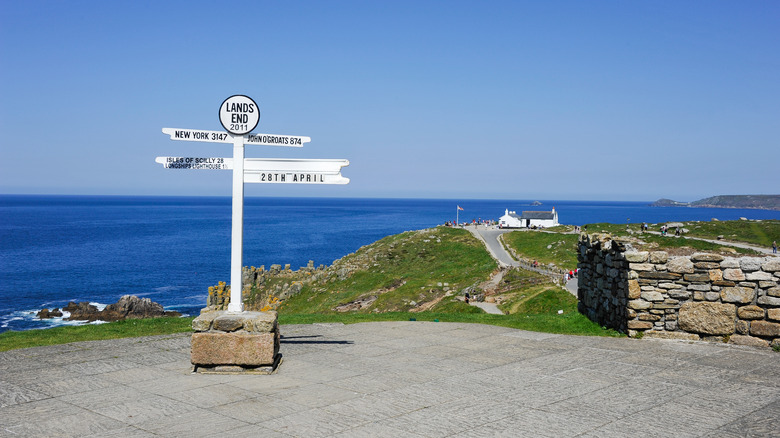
[(397, 379), (491, 308)]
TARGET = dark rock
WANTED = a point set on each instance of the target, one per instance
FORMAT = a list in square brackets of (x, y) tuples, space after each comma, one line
[(46, 313), (128, 307), (82, 311)]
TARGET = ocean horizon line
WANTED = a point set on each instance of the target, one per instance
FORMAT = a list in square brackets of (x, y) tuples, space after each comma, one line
[(400, 198)]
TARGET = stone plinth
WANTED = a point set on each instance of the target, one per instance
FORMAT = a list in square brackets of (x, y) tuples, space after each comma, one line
[(246, 342)]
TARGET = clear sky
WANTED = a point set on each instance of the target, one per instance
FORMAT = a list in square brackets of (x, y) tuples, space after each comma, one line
[(580, 100)]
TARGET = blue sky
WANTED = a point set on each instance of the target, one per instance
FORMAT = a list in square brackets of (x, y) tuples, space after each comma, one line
[(601, 100)]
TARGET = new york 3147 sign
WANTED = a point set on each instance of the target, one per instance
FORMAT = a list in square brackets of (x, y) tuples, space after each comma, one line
[(239, 115)]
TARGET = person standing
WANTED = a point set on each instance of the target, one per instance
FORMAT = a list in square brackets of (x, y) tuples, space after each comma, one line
[(774, 247)]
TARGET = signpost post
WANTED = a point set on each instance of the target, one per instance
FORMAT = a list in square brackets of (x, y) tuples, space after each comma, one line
[(239, 115)]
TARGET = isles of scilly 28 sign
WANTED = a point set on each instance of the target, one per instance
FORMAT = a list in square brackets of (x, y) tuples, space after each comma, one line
[(239, 114)]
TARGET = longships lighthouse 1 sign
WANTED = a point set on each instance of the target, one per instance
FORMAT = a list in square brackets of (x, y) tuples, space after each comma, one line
[(239, 115)]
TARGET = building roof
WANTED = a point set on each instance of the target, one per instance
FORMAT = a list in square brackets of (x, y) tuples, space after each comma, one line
[(543, 215)]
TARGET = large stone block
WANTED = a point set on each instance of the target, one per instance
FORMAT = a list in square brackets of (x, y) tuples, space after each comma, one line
[(769, 301), (260, 322), (747, 340), (724, 283), (680, 294), (203, 322), (765, 328), (639, 305), (228, 322), (641, 266), (636, 256), (771, 265), (715, 274), (750, 312), (640, 325), (706, 265), (669, 286), (701, 278), (707, 318), (706, 257), (729, 263), (680, 265), (733, 275), (633, 289), (659, 257), (659, 275), (251, 350), (737, 294), (773, 291), (750, 264), (652, 296), (758, 276), (773, 314)]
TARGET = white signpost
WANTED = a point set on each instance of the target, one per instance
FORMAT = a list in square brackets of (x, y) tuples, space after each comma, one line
[(239, 115)]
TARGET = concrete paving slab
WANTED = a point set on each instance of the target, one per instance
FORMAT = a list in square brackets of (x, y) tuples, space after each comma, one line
[(397, 379)]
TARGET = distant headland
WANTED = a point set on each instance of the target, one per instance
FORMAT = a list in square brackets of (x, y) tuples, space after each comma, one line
[(761, 202)]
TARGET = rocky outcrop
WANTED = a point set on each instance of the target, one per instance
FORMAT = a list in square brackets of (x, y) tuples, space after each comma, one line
[(46, 313), (128, 307), (763, 202)]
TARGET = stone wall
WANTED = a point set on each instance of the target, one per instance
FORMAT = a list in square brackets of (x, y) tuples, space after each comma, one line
[(701, 296)]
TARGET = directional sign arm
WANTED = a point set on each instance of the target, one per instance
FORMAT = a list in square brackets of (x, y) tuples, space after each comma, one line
[(292, 171), (268, 170), (295, 141), (198, 135), (195, 163)]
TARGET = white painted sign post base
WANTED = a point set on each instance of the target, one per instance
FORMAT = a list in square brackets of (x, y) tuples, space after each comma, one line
[(239, 115)]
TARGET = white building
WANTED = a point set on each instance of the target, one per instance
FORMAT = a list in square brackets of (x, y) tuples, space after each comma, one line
[(529, 219)]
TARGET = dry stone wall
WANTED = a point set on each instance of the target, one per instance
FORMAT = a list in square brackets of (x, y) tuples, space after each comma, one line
[(702, 296)]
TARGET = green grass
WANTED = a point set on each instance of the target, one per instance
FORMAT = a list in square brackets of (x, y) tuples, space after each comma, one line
[(538, 313), (668, 242), (760, 233), (740, 231), (568, 323), (121, 329), (562, 251), (410, 264)]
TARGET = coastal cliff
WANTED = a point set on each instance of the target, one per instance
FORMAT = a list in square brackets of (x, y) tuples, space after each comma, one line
[(761, 202)]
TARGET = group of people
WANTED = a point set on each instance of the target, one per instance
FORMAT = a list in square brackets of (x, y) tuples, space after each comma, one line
[(571, 274), (665, 229), (486, 222)]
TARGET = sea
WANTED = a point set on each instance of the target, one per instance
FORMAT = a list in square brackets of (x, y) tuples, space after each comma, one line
[(55, 249)]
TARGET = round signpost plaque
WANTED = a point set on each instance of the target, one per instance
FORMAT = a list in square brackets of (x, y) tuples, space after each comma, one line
[(239, 114)]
